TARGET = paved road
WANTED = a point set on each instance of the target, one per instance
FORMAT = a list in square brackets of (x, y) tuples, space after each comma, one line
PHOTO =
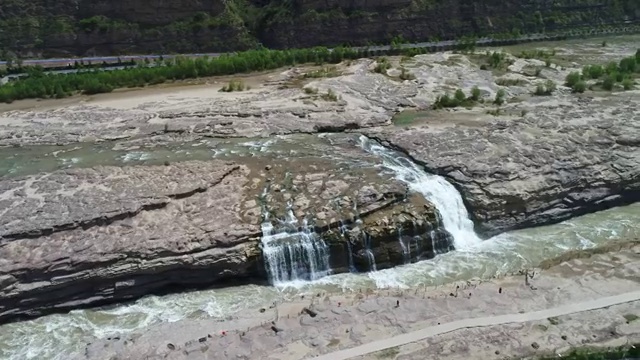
[(479, 322)]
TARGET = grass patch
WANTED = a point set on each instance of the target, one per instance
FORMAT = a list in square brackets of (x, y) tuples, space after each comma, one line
[(405, 118), (389, 353), (539, 54)]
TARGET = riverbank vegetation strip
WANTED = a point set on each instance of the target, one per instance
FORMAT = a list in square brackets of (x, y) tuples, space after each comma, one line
[(38, 84)]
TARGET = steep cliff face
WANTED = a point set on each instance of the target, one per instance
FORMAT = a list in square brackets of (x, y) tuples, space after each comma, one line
[(84, 27)]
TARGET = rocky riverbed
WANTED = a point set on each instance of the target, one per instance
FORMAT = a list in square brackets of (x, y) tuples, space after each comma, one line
[(323, 323), (88, 235)]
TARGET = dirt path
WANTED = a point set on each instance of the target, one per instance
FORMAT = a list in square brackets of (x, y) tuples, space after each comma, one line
[(480, 322)]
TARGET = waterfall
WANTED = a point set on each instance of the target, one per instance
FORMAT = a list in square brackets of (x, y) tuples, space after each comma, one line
[(434, 188), (343, 230), (367, 248), (292, 254), (406, 250)]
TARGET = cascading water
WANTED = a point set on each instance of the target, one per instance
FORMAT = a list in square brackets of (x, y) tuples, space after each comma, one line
[(434, 188), (293, 253)]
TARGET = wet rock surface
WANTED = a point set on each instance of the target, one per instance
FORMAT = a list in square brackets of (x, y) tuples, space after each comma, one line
[(81, 237)]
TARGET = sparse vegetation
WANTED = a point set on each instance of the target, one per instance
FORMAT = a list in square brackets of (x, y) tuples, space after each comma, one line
[(406, 117), (389, 353), (631, 317), (613, 73), (545, 89), (572, 79), (234, 85), (554, 320), (330, 96), (579, 87), (510, 82), (310, 90), (540, 54), (495, 112), (499, 99), (382, 66), (475, 93), (620, 353), (324, 72), (459, 99), (406, 75), (627, 84), (608, 83)]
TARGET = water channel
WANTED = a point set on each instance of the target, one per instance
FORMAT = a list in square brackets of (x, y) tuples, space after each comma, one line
[(57, 336)]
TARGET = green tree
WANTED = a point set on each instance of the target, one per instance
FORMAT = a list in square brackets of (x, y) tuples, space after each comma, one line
[(460, 96)]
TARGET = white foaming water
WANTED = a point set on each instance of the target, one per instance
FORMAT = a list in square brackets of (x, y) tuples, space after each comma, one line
[(55, 337), (434, 188), (293, 256)]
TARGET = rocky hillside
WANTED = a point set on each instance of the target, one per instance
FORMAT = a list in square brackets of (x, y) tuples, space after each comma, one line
[(84, 27)]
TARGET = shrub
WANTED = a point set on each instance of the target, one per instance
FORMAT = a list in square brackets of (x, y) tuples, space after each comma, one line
[(572, 79), (310, 90), (330, 96), (608, 83), (627, 84), (579, 87), (327, 71), (593, 71), (499, 100), (445, 101), (475, 93), (406, 75), (234, 85), (460, 96), (509, 82), (382, 66)]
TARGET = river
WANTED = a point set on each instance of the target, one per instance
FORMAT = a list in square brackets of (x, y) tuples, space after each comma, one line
[(57, 336)]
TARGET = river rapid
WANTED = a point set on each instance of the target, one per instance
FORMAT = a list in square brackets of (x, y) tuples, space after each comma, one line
[(57, 336)]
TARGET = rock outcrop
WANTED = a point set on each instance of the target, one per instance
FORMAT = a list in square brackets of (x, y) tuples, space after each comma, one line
[(568, 156), (84, 237)]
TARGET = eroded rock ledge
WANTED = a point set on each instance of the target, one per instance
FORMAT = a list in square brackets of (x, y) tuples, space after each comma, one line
[(86, 237), (538, 169)]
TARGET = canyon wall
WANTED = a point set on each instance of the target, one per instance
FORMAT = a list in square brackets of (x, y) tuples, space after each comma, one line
[(83, 27)]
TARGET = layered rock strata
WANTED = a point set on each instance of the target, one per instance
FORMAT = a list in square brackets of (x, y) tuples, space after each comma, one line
[(83, 237)]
